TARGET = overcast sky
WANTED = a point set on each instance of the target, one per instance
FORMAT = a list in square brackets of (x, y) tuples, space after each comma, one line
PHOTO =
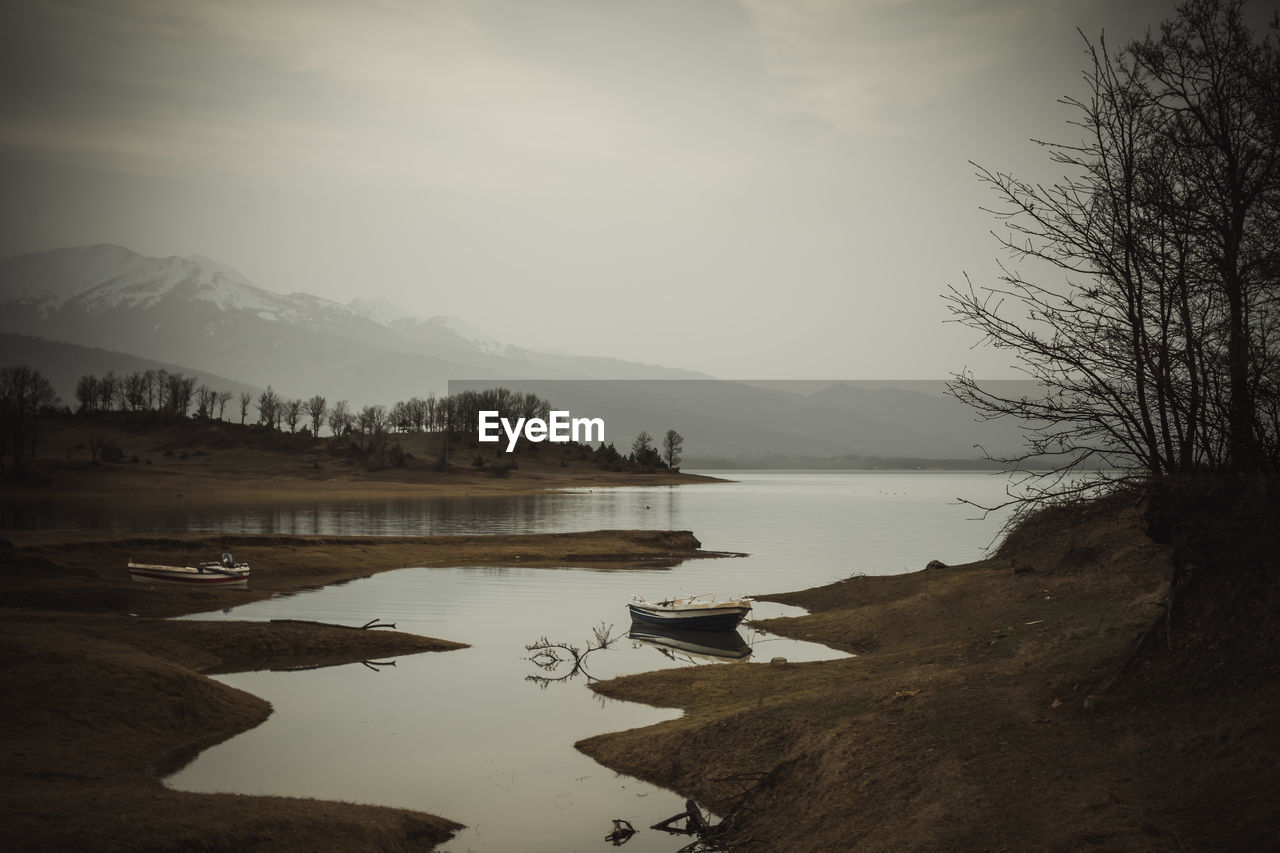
[(752, 188)]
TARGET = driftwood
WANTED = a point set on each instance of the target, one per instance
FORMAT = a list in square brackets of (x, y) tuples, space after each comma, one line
[(695, 821), (622, 832), (548, 656)]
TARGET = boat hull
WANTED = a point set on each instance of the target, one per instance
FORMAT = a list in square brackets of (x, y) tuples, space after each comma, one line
[(719, 618), (191, 576)]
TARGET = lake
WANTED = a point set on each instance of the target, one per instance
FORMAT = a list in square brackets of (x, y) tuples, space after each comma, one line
[(483, 735)]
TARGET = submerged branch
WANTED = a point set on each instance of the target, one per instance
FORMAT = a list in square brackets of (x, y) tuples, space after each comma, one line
[(548, 656)]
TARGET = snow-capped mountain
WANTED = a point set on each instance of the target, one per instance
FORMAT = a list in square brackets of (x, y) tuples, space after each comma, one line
[(150, 281), (447, 331), (203, 313), (100, 278), (379, 310), (44, 280)]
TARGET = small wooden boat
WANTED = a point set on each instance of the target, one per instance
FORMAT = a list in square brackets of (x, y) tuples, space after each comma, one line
[(691, 614), (219, 573)]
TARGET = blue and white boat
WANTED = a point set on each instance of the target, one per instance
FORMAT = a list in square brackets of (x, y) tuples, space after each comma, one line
[(690, 613)]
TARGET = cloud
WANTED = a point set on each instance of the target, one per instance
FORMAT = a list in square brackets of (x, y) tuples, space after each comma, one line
[(444, 93), (867, 65)]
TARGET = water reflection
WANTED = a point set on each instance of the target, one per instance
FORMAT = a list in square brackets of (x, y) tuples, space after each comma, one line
[(562, 511), (563, 661), (695, 647), (375, 665), (464, 733)]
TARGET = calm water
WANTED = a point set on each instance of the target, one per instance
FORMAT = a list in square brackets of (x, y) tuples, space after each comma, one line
[(469, 734)]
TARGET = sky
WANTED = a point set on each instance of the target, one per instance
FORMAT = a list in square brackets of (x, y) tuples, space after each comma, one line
[(749, 188)]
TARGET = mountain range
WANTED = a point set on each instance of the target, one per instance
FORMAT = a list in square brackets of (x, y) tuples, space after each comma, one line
[(206, 315), (90, 309)]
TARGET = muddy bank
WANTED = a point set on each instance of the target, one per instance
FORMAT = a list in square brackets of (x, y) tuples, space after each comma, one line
[(86, 571), (980, 713), (100, 696)]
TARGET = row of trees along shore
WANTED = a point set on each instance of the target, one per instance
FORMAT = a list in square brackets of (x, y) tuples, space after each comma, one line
[(25, 394), (178, 395)]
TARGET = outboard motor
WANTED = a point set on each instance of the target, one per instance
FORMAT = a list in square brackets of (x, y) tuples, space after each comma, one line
[(227, 560)]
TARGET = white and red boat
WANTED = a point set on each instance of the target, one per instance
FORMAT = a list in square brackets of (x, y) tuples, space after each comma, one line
[(219, 573)]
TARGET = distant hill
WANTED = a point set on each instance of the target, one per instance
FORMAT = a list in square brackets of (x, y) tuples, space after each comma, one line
[(738, 422), (64, 364)]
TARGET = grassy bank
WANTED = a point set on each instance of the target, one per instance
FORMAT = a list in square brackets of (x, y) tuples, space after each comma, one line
[(101, 696)]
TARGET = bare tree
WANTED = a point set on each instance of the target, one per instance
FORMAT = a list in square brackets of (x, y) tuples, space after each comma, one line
[(292, 409), (418, 414), (108, 390), (316, 409), (642, 450), (153, 385), (245, 400), (24, 394), (159, 389), (179, 390), (340, 418), (268, 407), (1160, 239), (672, 447), (1219, 86), (87, 393), (206, 399), (400, 418), (136, 386), (446, 418), (224, 397), (372, 422)]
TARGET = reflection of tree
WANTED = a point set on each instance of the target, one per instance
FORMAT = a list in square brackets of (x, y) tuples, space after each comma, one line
[(548, 656)]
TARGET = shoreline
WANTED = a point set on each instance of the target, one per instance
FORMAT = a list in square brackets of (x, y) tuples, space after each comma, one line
[(102, 691), (220, 463), (205, 489), (999, 704), (981, 700)]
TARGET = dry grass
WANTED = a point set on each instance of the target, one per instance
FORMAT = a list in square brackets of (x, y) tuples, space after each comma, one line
[(968, 719)]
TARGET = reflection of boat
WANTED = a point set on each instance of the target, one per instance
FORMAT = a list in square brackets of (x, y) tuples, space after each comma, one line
[(220, 573), (690, 613), (720, 645)]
